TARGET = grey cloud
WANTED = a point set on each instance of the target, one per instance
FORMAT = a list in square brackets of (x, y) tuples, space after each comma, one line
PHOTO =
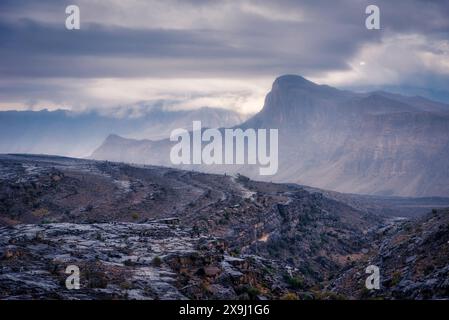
[(241, 44), (36, 49), (33, 48)]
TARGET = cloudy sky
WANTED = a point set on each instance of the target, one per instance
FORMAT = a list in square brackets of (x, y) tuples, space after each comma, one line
[(189, 54)]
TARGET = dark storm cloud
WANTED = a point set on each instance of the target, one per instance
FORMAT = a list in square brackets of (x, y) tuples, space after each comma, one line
[(330, 33), (208, 39), (31, 38), (36, 49), (252, 44)]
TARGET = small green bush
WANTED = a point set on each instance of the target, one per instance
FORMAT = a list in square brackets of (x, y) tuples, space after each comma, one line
[(135, 216), (295, 282), (157, 261)]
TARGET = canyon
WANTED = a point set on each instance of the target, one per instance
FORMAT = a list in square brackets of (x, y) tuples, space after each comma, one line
[(148, 232)]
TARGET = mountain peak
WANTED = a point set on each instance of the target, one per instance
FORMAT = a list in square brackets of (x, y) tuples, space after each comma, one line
[(295, 96), (115, 138), (291, 80), (302, 86)]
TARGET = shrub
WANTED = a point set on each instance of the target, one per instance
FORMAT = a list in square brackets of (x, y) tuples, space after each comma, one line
[(252, 292), (295, 282), (157, 261), (289, 296), (135, 216), (396, 278), (42, 212), (125, 285)]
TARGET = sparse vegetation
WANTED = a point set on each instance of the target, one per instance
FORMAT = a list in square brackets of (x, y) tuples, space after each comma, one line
[(135, 216), (289, 296), (40, 213), (157, 261), (251, 291), (395, 278), (295, 282)]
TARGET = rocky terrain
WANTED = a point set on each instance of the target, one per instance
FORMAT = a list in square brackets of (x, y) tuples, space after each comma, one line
[(413, 258), (144, 232)]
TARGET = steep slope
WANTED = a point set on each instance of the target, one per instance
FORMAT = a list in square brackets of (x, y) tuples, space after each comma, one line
[(412, 258), (378, 143), (363, 144)]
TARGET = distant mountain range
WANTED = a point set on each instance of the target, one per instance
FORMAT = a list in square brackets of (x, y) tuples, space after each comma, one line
[(67, 133), (373, 143)]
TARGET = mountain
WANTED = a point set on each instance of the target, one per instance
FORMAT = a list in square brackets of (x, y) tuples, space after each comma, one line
[(78, 134), (371, 143)]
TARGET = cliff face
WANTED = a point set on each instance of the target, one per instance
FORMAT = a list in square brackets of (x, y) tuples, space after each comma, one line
[(372, 143), (377, 143)]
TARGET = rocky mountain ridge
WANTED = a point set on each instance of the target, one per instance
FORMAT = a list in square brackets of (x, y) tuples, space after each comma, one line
[(374, 143)]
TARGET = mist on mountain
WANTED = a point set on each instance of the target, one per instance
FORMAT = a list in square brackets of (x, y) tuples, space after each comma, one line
[(370, 143), (78, 134)]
